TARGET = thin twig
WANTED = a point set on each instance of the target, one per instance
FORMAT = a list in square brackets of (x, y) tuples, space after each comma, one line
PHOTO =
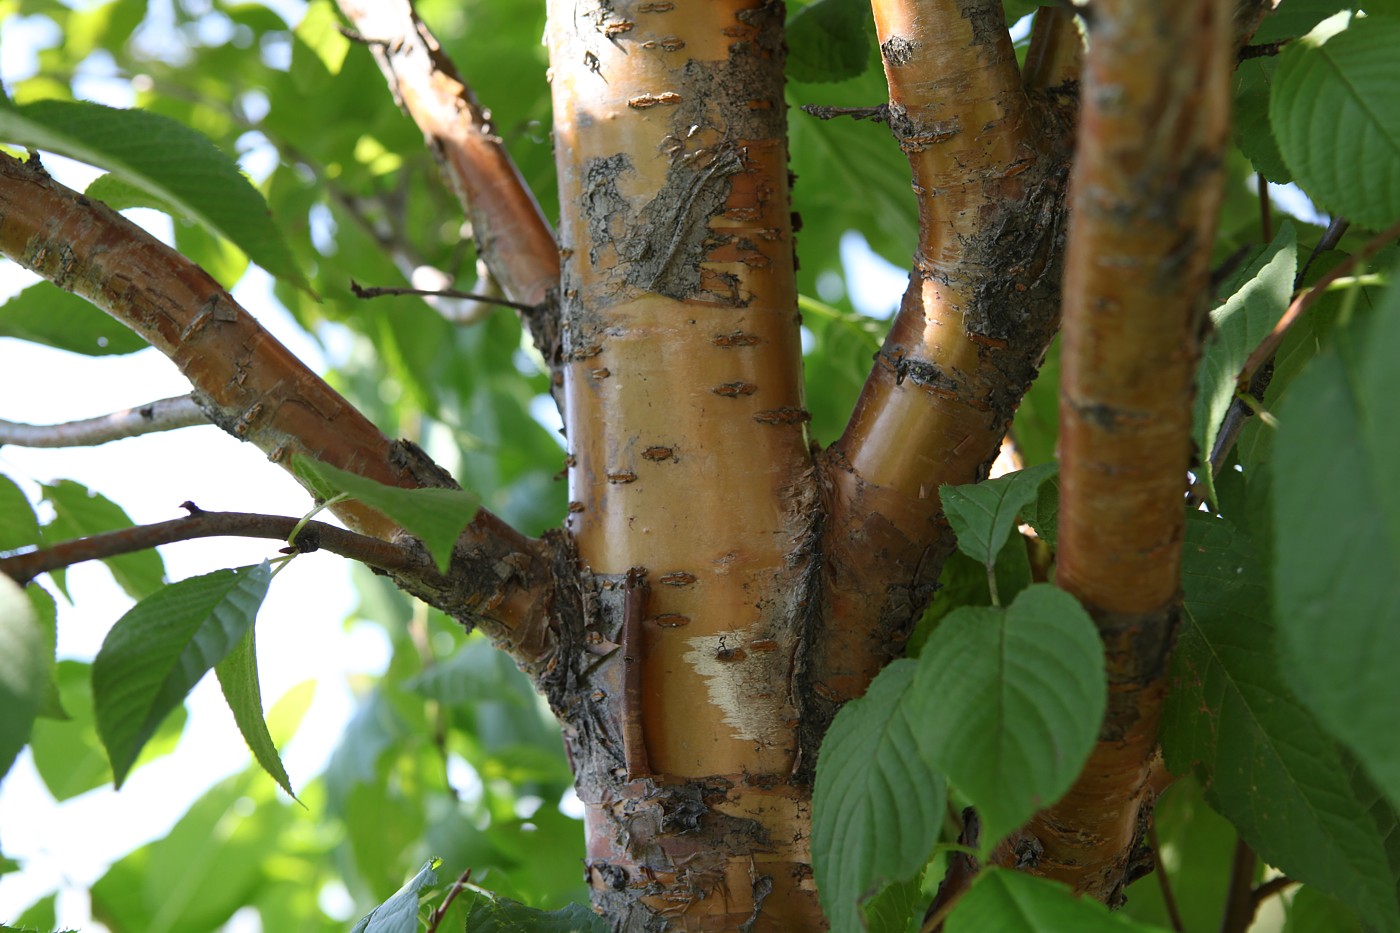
[(1266, 219), (1270, 344), (167, 414), (362, 292), (1262, 50), (440, 913), (1269, 888), (1239, 904), (877, 114), (1168, 898), (1330, 238), (962, 869), (200, 524)]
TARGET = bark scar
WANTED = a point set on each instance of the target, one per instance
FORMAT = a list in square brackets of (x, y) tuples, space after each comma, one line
[(635, 593)]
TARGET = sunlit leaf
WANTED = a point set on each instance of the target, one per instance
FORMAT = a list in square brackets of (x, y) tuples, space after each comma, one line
[(160, 649), (1254, 306), (165, 158), (1337, 126), (46, 314), (1336, 509), (25, 659), (436, 516), (399, 914), (238, 676), (79, 512)]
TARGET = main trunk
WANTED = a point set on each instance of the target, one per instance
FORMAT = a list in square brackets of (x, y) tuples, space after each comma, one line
[(690, 478)]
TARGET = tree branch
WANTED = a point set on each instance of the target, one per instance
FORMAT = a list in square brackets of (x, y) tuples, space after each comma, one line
[(361, 291), (200, 524), (511, 232), (1147, 185), (167, 414), (981, 306), (255, 389), (1270, 344)]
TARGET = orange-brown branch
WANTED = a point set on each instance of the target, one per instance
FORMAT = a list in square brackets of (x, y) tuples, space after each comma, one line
[(510, 230), (980, 309), (250, 385), (1145, 195)]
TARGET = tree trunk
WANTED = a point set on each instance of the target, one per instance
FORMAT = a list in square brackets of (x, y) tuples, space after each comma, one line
[(690, 481)]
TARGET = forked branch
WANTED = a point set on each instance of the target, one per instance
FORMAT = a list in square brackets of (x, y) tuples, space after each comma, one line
[(510, 230), (981, 306), (255, 389)]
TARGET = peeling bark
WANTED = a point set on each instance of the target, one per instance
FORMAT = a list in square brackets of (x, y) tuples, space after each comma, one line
[(682, 375)]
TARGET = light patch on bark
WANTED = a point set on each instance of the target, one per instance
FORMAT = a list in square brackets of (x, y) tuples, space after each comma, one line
[(743, 672)]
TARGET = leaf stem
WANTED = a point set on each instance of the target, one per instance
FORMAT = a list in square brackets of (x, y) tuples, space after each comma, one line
[(1168, 898), (319, 507), (441, 912)]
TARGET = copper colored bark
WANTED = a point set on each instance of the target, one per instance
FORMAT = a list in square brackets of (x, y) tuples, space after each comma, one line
[(981, 307), (1145, 195), (511, 232), (254, 388), (688, 460)]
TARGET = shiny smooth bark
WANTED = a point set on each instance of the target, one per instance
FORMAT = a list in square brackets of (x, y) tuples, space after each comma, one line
[(981, 307), (1145, 197), (688, 461)]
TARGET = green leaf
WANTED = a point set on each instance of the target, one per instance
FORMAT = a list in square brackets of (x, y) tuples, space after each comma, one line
[(46, 612), (501, 915), (878, 804), (79, 512), (1044, 513), (1336, 509), (399, 914), (46, 314), (434, 515), (829, 40), (983, 515), (25, 659), (1311, 911), (1266, 764), (1002, 900), (217, 256), (1254, 134), (1256, 303), (69, 755), (1009, 703), (1337, 124), (18, 525), (165, 158), (159, 650), (238, 677)]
